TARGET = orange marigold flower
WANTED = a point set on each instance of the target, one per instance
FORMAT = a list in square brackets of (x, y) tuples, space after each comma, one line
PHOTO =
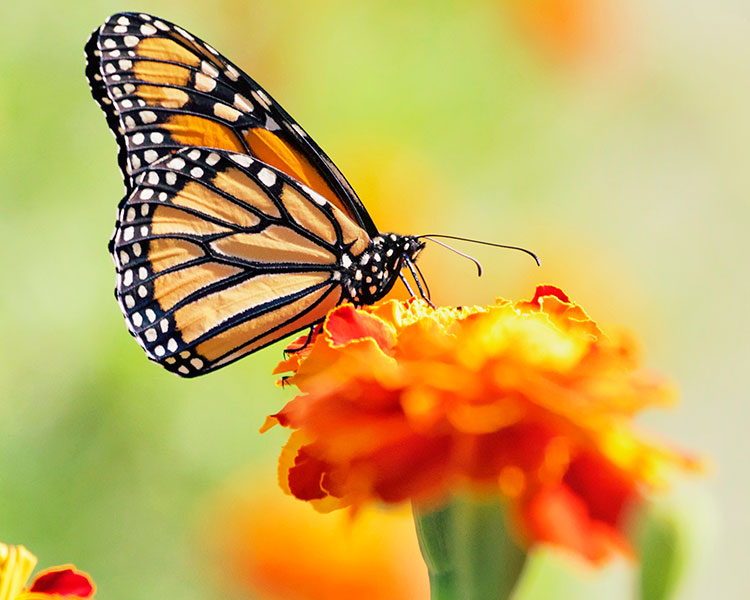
[(402, 401), (16, 565), (279, 549)]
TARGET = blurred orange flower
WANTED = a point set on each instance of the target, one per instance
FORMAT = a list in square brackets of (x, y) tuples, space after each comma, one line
[(281, 549), (405, 402), (564, 30), (16, 565)]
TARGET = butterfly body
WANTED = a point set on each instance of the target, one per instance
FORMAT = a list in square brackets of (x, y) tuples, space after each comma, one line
[(371, 275), (236, 229)]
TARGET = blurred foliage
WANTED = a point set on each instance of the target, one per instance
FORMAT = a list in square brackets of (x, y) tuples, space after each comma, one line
[(620, 158)]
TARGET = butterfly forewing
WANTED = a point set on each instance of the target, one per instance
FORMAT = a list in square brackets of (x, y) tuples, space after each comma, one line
[(163, 89), (219, 254)]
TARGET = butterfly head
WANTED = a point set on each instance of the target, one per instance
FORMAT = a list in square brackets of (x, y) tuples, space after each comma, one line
[(371, 275)]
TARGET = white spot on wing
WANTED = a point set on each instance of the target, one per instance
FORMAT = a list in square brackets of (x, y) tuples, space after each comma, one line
[(203, 83), (242, 103), (241, 159), (183, 33), (318, 198), (226, 112), (209, 69), (271, 125), (267, 176), (261, 98), (176, 163)]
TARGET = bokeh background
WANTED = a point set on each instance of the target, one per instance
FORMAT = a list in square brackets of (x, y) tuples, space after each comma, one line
[(610, 137)]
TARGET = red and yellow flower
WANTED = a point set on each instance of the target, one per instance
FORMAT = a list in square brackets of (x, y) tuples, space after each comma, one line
[(16, 566), (403, 401)]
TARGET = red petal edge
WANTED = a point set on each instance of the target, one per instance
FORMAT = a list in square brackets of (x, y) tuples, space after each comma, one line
[(63, 581), (549, 290)]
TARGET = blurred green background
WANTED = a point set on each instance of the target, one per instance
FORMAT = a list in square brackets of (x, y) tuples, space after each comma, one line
[(612, 140)]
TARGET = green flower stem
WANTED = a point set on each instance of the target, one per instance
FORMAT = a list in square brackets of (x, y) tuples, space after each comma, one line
[(468, 550), (434, 532)]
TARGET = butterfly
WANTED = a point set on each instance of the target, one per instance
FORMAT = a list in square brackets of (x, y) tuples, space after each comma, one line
[(236, 229)]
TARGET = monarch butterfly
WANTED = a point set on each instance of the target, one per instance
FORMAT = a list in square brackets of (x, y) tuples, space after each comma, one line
[(235, 229)]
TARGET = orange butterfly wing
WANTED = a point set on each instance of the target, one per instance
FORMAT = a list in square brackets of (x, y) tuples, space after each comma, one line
[(219, 255), (163, 89)]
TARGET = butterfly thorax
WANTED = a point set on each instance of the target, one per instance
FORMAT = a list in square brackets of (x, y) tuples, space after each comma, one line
[(369, 277)]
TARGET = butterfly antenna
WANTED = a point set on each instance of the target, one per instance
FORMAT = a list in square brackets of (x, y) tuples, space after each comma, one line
[(452, 249), (432, 236)]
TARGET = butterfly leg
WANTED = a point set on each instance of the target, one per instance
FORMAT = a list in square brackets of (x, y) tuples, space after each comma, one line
[(310, 335), (425, 296), (406, 284)]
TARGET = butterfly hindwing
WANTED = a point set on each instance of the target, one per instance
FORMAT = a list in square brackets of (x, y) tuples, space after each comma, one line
[(219, 254), (163, 89)]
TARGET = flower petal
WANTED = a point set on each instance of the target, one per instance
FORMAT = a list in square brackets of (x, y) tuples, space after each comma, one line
[(346, 324), (64, 581)]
